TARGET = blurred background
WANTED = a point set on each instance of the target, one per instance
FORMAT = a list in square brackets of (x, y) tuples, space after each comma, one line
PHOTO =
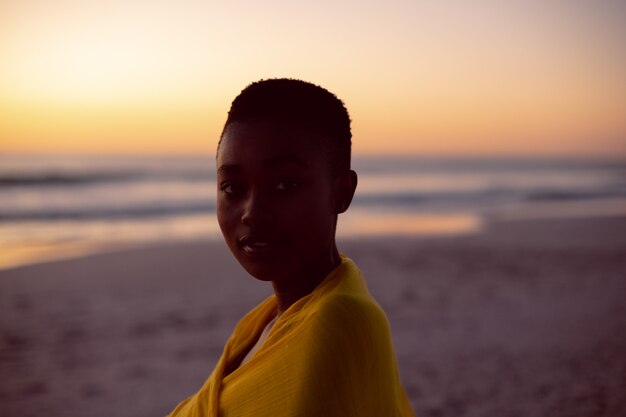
[(501, 124), (110, 111)]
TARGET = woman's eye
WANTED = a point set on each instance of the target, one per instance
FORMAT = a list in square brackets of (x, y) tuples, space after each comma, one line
[(287, 185), (230, 188)]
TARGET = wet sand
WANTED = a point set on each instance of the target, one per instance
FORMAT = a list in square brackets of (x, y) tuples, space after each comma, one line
[(525, 319)]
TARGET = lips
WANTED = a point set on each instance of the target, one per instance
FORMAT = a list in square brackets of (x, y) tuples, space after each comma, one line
[(256, 245)]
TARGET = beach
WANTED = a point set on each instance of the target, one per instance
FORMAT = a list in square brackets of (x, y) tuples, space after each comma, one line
[(524, 318)]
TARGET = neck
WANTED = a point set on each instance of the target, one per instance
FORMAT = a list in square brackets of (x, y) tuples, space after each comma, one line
[(290, 290)]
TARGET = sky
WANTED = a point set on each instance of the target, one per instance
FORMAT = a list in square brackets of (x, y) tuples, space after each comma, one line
[(490, 77)]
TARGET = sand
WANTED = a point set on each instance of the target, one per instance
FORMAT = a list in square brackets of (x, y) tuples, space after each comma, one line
[(525, 319)]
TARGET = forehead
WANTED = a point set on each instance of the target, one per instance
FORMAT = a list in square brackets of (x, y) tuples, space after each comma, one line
[(248, 142)]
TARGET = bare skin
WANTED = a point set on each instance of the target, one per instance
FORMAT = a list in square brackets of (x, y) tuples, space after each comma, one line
[(277, 205)]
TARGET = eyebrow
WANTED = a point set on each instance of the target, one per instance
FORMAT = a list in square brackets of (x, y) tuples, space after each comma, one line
[(229, 168), (269, 162)]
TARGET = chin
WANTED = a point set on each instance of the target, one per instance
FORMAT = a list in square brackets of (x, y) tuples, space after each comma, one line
[(263, 272), (260, 275)]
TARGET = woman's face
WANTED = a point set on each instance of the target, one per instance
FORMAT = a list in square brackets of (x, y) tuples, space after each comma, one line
[(276, 199)]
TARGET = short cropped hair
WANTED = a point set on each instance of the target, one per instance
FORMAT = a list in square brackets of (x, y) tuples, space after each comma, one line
[(301, 104)]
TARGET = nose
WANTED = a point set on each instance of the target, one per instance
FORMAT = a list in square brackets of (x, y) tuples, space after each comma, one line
[(257, 211)]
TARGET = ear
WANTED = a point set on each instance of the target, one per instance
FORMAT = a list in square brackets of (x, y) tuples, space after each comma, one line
[(345, 187)]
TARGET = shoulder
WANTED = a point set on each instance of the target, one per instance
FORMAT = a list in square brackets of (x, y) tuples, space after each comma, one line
[(346, 308), (348, 358), (346, 323)]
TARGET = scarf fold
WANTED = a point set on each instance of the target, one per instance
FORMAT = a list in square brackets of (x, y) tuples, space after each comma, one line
[(329, 354)]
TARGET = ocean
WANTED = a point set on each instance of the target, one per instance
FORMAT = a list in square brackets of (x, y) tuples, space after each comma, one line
[(53, 206)]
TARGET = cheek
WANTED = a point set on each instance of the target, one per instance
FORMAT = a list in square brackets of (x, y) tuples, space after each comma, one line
[(225, 216), (313, 216)]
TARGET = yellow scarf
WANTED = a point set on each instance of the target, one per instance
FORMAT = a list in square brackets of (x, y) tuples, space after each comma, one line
[(329, 354)]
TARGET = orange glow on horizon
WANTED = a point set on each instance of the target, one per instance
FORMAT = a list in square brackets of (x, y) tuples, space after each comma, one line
[(83, 76)]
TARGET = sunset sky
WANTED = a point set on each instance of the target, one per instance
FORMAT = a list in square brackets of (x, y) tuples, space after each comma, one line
[(429, 77)]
